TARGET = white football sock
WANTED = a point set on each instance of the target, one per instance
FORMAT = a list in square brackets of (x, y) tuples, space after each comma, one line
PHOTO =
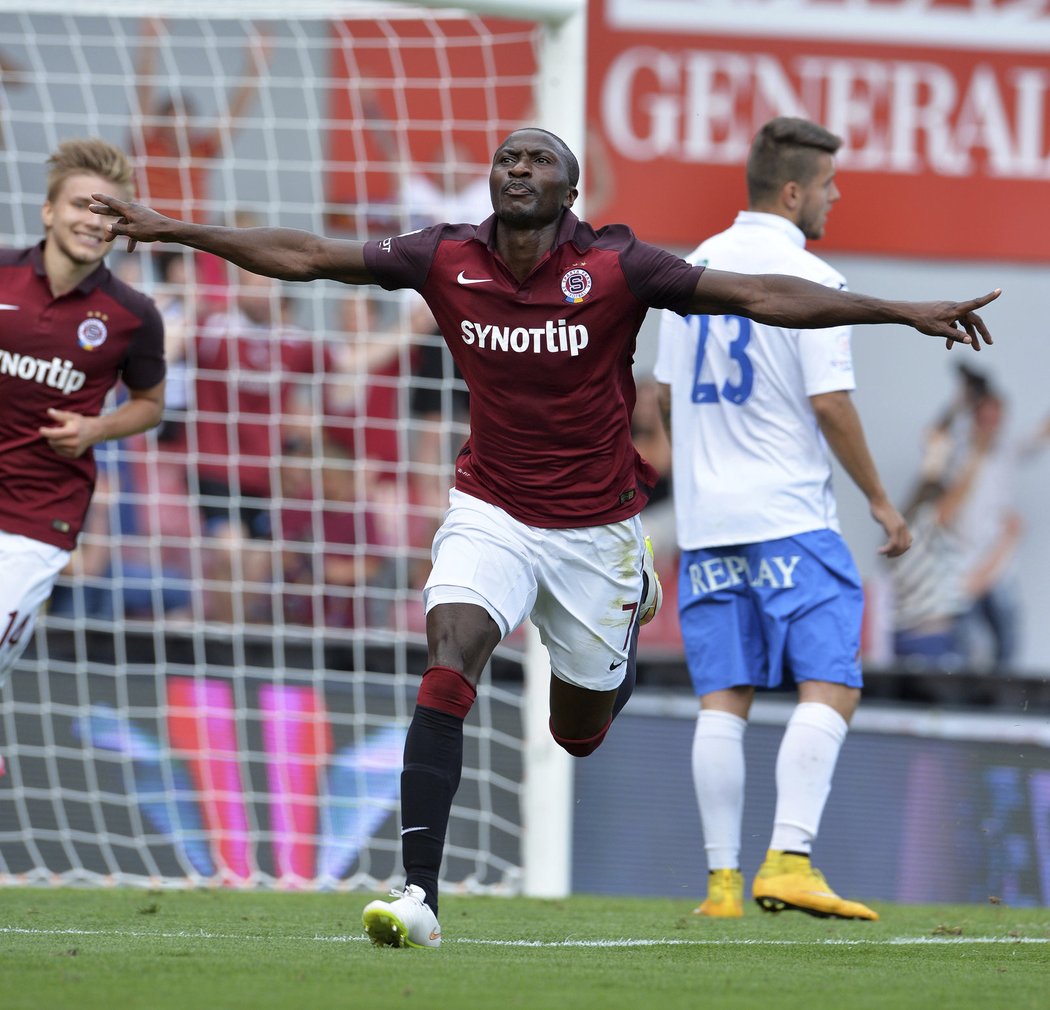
[(718, 775), (805, 765)]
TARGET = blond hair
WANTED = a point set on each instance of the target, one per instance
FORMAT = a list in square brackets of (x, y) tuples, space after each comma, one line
[(89, 156)]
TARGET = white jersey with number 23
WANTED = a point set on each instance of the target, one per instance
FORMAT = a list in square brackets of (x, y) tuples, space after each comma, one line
[(750, 462)]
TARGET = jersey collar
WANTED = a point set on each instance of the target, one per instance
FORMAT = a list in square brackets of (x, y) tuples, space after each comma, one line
[(93, 280), (760, 219), (566, 230)]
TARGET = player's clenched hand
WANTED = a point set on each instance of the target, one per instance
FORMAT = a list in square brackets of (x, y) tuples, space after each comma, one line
[(71, 435), (957, 322), (134, 220)]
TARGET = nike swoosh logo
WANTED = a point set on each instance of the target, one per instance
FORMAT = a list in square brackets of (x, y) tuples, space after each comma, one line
[(461, 279), (12, 308), (613, 666), (436, 935), (408, 831)]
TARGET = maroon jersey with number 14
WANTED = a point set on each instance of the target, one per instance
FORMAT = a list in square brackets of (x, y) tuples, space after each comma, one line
[(547, 360), (67, 353)]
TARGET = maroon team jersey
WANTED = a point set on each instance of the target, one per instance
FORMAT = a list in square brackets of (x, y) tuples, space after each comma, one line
[(547, 361), (66, 353)]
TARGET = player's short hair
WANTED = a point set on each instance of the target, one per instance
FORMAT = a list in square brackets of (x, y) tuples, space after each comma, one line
[(572, 166), (785, 150), (89, 156)]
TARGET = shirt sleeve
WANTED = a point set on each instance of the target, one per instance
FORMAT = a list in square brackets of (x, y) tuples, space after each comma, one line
[(403, 261), (827, 360), (658, 278), (826, 355), (144, 365), (673, 329)]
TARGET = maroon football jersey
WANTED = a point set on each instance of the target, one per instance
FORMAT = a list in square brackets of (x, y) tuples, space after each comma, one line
[(547, 361), (67, 353)]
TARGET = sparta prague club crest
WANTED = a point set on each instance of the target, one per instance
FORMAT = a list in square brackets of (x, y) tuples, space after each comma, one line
[(576, 285), (92, 332)]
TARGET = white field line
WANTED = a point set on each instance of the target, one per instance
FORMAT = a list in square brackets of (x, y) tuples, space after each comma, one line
[(896, 941)]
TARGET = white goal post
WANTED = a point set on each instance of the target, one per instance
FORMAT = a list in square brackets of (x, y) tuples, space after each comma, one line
[(219, 691)]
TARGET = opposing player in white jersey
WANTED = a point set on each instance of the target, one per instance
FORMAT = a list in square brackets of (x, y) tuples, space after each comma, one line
[(768, 591)]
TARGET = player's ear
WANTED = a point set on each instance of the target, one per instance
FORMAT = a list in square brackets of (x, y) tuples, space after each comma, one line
[(570, 196), (47, 214)]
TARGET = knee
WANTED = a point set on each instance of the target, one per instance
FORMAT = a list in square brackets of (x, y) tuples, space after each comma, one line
[(580, 748)]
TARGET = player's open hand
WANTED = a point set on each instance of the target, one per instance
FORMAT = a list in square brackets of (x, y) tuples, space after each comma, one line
[(134, 220), (957, 322)]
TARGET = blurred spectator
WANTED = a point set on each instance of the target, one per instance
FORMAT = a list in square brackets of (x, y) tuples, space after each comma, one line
[(368, 402), (175, 297), (330, 538), (171, 286), (439, 405), (371, 351), (113, 573), (452, 187), (928, 582), (246, 390), (173, 156), (956, 592), (11, 72), (993, 530), (651, 441)]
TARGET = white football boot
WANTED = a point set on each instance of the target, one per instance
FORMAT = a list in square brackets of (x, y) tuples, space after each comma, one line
[(405, 922), (654, 593)]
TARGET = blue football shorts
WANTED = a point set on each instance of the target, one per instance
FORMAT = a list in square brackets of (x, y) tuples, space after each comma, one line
[(771, 613)]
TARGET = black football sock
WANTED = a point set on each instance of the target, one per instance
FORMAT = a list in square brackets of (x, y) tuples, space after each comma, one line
[(433, 765)]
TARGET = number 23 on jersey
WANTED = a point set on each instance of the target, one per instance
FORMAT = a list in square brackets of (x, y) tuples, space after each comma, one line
[(737, 331)]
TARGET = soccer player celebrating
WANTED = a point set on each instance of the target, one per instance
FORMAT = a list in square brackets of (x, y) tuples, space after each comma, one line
[(69, 331), (768, 591), (540, 312)]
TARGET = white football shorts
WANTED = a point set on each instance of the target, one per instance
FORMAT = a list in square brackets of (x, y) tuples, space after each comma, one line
[(581, 586), (30, 570)]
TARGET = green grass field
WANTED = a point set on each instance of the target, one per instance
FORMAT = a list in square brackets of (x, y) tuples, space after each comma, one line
[(123, 949)]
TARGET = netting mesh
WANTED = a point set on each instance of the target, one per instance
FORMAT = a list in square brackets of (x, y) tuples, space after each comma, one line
[(220, 687)]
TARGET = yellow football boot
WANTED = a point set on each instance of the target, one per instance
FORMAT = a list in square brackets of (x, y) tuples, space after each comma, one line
[(786, 880), (725, 895)]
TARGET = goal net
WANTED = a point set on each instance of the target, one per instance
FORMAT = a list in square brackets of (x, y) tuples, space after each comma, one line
[(219, 689)]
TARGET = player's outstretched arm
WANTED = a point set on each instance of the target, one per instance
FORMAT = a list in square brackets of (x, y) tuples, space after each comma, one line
[(286, 253), (780, 300)]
